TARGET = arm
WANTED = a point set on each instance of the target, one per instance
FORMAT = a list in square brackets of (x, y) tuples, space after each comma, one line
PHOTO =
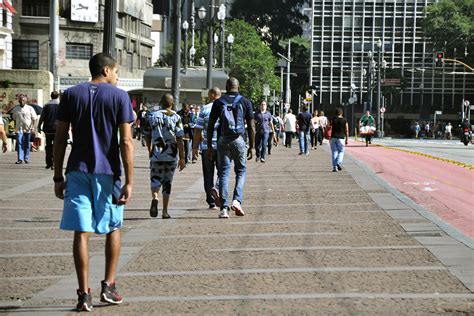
[(181, 161), (196, 141), (210, 127), (59, 150), (347, 132), (3, 136), (41, 119), (126, 151), (251, 135)]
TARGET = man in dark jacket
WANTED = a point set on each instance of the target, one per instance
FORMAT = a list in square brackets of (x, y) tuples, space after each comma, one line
[(47, 124)]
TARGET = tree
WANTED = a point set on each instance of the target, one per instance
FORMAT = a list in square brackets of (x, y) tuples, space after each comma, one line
[(450, 26), (275, 20), (252, 61)]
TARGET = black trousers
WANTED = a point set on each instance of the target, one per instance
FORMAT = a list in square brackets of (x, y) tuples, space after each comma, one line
[(314, 137), (49, 149), (289, 137)]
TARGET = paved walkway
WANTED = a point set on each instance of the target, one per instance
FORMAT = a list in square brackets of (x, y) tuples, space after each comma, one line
[(312, 242)]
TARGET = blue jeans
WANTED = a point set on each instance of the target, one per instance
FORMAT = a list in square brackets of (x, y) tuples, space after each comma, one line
[(337, 150), (304, 141), (227, 151), (23, 143), (209, 164), (261, 143)]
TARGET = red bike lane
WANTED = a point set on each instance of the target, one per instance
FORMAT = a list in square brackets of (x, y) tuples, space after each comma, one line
[(440, 187)]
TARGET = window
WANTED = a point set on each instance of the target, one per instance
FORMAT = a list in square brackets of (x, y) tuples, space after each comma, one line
[(25, 54), (35, 7), (5, 17), (78, 51)]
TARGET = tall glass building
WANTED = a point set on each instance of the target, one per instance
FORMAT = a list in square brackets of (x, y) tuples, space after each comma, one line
[(346, 32)]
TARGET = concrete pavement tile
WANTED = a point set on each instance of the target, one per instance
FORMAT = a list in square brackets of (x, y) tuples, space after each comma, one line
[(388, 202)]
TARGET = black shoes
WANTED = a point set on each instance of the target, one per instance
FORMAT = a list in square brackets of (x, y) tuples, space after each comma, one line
[(154, 208), (84, 301), (109, 294)]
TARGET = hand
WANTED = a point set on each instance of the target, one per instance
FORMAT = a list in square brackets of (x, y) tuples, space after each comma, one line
[(125, 194), (181, 164), (59, 188), (4, 147), (39, 130), (249, 153), (347, 142)]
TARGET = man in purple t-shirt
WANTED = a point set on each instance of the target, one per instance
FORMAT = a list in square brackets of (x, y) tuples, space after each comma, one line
[(93, 197), (263, 128)]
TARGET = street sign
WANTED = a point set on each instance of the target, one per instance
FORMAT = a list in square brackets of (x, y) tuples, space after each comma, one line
[(266, 90), (351, 100), (287, 106), (390, 82), (438, 112), (382, 110), (467, 103)]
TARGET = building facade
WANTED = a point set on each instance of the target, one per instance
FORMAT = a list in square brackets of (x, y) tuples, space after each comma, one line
[(346, 57), (81, 27), (6, 30)]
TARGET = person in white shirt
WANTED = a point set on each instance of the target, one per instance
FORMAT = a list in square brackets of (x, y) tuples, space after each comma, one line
[(290, 127), (323, 122), (448, 131), (25, 119), (3, 135)]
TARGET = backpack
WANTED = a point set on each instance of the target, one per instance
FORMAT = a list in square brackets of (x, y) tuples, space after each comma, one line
[(232, 118), (276, 123)]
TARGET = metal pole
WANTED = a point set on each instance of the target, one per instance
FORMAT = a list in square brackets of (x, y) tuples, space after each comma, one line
[(281, 83), (223, 44), (210, 46), (288, 90), (54, 41), (193, 25), (176, 51), (185, 50), (109, 27), (379, 65), (369, 85)]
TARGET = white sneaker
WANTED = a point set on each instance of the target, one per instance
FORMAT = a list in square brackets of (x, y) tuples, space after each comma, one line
[(224, 213), (237, 208)]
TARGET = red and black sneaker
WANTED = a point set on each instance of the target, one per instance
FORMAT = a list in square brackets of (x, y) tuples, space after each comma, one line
[(84, 301), (109, 294)]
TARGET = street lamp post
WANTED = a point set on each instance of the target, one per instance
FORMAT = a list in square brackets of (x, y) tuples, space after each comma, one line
[(192, 50), (176, 52), (379, 92), (221, 17), (230, 41), (369, 84), (185, 31), (210, 46), (201, 16)]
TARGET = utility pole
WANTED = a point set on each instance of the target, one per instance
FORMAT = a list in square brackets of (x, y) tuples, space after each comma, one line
[(54, 42), (379, 92), (288, 62), (210, 46), (176, 51), (369, 84), (109, 27)]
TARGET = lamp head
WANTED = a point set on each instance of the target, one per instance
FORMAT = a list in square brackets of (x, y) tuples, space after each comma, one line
[(379, 43), (202, 13), (230, 39), (185, 25), (202, 61)]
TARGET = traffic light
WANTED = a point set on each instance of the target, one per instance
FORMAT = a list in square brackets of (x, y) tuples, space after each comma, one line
[(439, 59)]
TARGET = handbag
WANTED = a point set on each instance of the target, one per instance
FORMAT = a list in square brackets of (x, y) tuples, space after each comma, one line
[(328, 132)]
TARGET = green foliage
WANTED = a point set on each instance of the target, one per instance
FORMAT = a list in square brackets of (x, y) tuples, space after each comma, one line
[(276, 20), (252, 61), (450, 25)]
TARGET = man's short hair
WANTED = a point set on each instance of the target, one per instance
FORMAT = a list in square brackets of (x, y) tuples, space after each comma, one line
[(98, 62), (232, 84), (215, 91), (339, 111), (54, 95), (305, 108), (289, 111)]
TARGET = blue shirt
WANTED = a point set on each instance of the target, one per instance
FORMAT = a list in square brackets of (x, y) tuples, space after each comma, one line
[(95, 112), (262, 122), (203, 122), (165, 126)]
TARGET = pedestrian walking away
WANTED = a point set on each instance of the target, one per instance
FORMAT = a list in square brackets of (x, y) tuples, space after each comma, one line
[(303, 122), (164, 143), (339, 138), (315, 130), (323, 122), (47, 124), (367, 128), (209, 162), (290, 127), (232, 110), (93, 196), (25, 119), (263, 129), (448, 131), (3, 135), (185, 114)]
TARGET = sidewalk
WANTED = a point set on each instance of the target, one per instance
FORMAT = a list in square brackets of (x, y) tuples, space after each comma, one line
[(312, 242)]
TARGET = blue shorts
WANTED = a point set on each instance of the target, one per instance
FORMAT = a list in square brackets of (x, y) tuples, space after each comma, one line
[(88, 204)]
